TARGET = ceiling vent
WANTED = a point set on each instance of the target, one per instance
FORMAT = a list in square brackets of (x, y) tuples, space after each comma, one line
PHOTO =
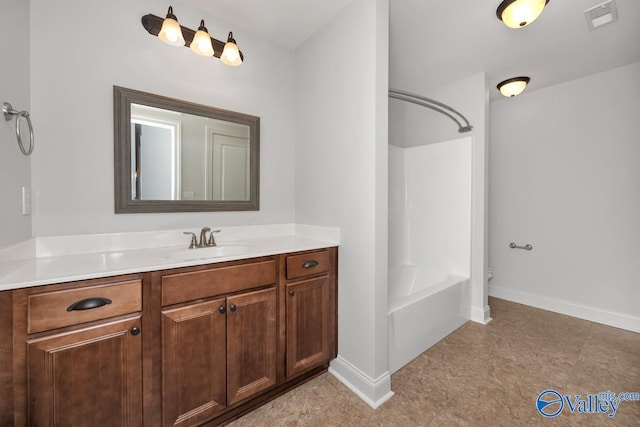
[(602, 14)]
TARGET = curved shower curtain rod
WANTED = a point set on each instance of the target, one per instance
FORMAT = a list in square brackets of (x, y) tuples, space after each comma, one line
[(433, 105)]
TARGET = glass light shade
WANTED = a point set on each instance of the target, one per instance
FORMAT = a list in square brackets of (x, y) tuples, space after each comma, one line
[(231, 54), (171, 33), (513, 87), (201, 43), (520, 13)]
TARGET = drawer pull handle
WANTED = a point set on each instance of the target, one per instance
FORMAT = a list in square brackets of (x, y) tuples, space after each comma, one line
[(222, 309), (310, 264), (89, 303), (233, 307), (135, 331), (292, 293)]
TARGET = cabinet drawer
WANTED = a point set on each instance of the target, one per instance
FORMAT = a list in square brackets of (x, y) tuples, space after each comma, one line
[(54, 309), (308, 264), (178, 288)]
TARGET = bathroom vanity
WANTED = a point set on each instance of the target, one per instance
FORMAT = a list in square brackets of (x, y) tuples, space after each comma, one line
[(191, 345)]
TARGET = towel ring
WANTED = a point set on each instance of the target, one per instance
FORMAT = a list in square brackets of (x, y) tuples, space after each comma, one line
[(9, 112)]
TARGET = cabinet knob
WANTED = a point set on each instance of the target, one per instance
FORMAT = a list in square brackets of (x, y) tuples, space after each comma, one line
[(135, 331), (233, 307), (292, 293), (222, 309)]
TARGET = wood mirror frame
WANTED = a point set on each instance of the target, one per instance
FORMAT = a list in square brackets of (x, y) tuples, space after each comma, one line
[(124, 203)]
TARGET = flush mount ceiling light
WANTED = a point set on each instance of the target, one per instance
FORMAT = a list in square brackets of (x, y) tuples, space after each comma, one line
[(169, 31), (520, 13), (514, 86)]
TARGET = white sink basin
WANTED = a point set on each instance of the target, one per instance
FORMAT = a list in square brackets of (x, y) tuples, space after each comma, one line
[(206, 253)]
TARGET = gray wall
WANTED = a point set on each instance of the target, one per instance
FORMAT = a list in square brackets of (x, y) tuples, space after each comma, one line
[(15, 168), (73, 166), (341, 175), (565, 177)]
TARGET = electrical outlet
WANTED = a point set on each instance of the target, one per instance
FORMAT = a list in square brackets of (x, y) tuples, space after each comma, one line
[(26, 201)]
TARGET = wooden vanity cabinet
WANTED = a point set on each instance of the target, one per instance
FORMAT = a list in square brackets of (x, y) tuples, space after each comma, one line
[(91, 376), (220, 349), (251, 344), (194, 368), (192, 346), (80, 357), (310, 310)]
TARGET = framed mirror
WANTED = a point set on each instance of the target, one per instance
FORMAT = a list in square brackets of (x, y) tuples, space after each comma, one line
[(177, 156)]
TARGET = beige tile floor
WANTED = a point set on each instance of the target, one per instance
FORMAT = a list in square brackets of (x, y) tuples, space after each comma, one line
[(483, 376)]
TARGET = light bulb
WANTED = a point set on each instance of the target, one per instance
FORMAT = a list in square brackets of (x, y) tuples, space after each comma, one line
[(171, 33), (231, 55), (201, 43)]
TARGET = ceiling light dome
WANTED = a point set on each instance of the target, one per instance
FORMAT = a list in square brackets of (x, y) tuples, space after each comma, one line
[(513, 87), (520, 13)]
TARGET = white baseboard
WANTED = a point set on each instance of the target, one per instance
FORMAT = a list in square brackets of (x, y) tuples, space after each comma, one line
[(617, 320), (481, 315), (373, 391)]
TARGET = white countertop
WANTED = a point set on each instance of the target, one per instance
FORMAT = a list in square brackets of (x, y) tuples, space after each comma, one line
[(48, 260)]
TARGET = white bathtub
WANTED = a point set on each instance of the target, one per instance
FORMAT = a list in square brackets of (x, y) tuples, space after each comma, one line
[(424, 307)]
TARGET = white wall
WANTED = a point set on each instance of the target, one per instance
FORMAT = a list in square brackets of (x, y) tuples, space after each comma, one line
[(341, 177), (436, 218), (15, 168), (78, 52), (565, 177)]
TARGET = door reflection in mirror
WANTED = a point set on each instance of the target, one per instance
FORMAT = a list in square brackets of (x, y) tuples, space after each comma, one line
[(228, 162), (155, 160), (179, 156)]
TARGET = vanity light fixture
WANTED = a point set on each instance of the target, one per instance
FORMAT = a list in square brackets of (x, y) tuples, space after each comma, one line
[(513, 87), (169, 31), (201, 44), (520, 13), (231, 55)]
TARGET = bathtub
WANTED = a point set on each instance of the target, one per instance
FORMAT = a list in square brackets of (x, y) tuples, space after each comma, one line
[(424, 307)]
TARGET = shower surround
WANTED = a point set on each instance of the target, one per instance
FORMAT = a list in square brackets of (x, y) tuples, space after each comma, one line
[(429, 245)]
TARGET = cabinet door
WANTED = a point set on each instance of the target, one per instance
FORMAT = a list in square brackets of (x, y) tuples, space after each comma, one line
[(251, 343), (193, 363), (92, 376), (308, 316)]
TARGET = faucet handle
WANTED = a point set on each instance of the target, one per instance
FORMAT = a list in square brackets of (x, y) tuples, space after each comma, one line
[(212, 241), (194, 239)]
